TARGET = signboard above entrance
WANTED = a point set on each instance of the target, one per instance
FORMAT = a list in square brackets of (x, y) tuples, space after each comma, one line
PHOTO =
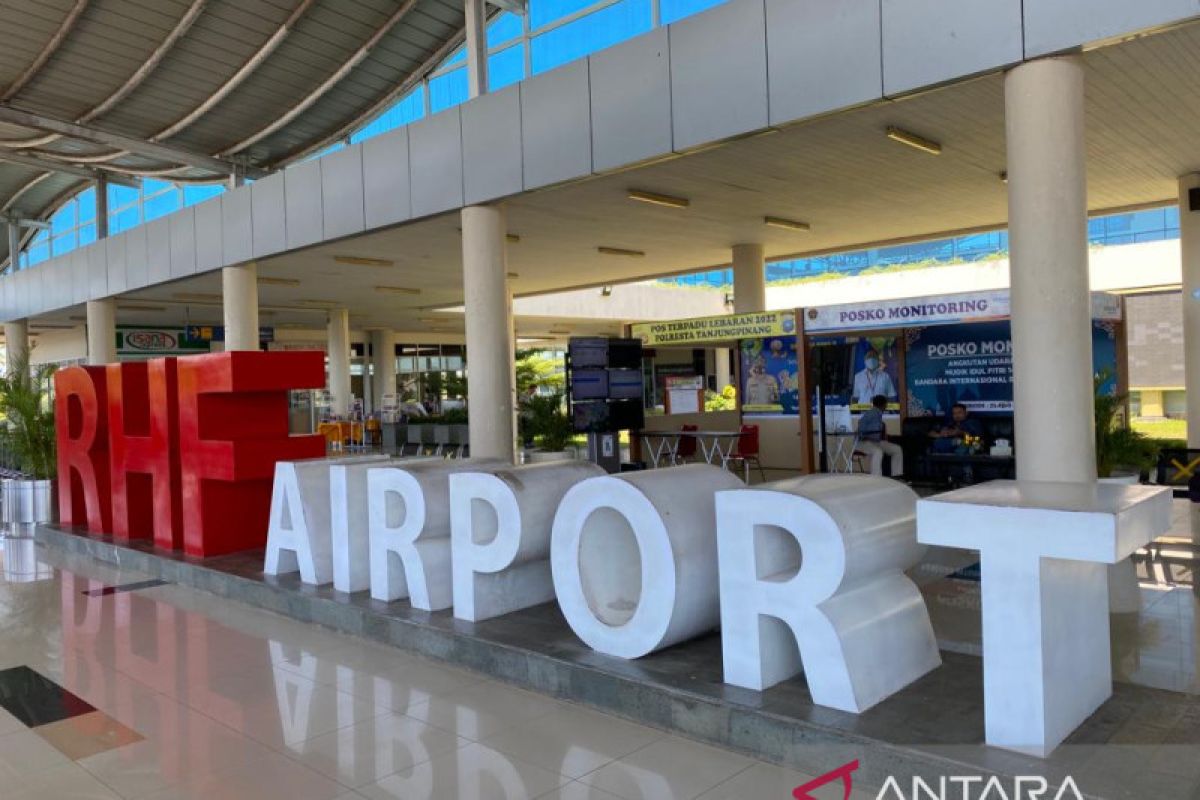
[(706, 330), (941, 310)]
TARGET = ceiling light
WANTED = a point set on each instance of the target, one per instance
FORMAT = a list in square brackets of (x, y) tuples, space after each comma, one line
[(363, 261), (433, 319), (785, 223), (514, 275), (658, 199), (322, 303), (620, 251), (397, 290), (198, 296), (729, 298), (559, 332), (279, 281), (138, 307), (913, 140), (512, 237), (1004, 176), (606, 291)]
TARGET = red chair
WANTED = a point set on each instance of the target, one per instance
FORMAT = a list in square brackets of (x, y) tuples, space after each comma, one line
[(746, 451), (686, 447)]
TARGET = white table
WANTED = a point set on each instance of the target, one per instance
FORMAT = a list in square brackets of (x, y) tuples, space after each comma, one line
[(1044, 548), (714, 444), (842, 457), (660, 443)]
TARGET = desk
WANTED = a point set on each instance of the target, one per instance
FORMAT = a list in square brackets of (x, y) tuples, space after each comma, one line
[(667, 444), (714, 443), (842, 457)]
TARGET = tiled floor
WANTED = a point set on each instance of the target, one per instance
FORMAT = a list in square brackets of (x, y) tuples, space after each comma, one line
[(184, 695)]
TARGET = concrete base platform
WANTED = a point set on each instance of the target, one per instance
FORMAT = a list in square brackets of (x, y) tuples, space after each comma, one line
[(932, 729)]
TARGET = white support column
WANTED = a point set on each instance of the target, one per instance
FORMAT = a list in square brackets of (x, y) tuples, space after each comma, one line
[(239, 293), (721, 367), (1051, 308), (383, 366), (749, 279), (1189, 246), (491, 392), (476, 45), (339, 360), (101, 331), (16, 341)]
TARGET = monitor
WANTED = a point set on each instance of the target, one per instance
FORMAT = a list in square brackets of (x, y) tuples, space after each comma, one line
[(589, 384), (590, 416), (625, 353), (588, 351), (625, 384)]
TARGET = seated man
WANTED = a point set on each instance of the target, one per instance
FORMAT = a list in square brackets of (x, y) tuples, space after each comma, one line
[(872, 439), (946, 438)]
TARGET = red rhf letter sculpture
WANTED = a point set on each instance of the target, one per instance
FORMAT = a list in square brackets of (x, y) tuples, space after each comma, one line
[(233, 427), (143, 430), (81, 411)]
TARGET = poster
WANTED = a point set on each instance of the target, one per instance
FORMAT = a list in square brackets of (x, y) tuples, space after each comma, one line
[(769, 380), (851, 370), (972, 365)]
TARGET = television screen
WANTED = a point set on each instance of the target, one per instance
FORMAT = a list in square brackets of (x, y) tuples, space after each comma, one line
[(589, 384), (625, 354), (625, 384), (626, 415), (590, 416), (588, 351)]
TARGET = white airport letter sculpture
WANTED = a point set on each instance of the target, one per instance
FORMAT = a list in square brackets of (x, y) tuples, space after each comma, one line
[(1043, 549), (298, 533), (634, 558), (349, 523), (500, 527), (408, 512), (821, 560)]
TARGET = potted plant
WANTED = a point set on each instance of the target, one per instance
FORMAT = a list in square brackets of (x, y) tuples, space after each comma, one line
[(1122, 454), (29, 436), (551, 428)]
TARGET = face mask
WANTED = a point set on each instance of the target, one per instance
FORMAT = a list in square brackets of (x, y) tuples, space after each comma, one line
[(872, 363)]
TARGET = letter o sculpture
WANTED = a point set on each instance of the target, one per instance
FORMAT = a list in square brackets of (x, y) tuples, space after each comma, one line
[(666, 520)]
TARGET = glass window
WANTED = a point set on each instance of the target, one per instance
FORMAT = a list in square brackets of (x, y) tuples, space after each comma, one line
[(408, 108), (200, 193), (448, 90), (124, 219), (161, 204), (672, 10), (503, 28), (65, 218), (591, 33), (119, 196), (505, 67), (542, 12), (86, 203), (63, 244)]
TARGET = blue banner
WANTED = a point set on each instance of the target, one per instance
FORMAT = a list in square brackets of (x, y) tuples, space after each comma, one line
[(972, 364)]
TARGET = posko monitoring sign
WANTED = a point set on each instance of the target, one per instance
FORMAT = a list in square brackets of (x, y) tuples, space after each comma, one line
[(972, 364)]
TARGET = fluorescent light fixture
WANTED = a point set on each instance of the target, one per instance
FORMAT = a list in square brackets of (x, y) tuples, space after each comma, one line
[(397, 290), (1165, 287), (512, 237), (913, 140), (654, 198), (786, 224), (514, 275), (560, 331), (139, 307), (267, 281), (197, 296), (606, 291), (620, 251), (321, 303), (363, 261)]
